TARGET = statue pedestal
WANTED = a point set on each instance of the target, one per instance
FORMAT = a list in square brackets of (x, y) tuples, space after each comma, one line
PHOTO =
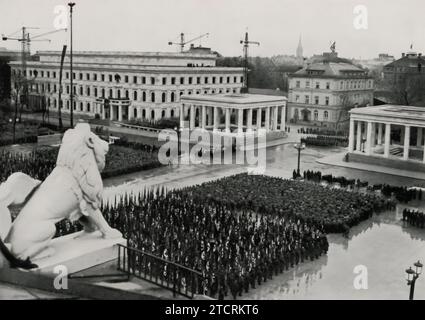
[(79, 251)]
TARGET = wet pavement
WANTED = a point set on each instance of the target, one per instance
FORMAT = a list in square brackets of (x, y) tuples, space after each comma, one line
[(382, 244)]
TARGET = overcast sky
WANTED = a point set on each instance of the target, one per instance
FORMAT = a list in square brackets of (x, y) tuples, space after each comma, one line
[(148, 25)]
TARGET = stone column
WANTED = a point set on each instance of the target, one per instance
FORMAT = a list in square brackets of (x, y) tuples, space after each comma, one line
[(103, 112), (267, 118), (204, 117), (120, 113), (210, 116), (282, 118), (373, 140), (192, 117), (387, 140), (259, 119), (369, 138), (111, 112), (240, 120), (379, 133), (227, 110), (351, 136), (406, 142), (182, 116), (249, 120), (215, 119), (419, 137), (275, 115), (359, 136)]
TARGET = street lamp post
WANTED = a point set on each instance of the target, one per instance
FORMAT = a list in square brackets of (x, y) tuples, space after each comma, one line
[(178, 130), (299, 146), (412, 276), (71, 6)]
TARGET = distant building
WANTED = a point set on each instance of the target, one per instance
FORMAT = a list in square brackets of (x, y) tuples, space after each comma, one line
[(410, 63), (322, 92), (129, 85)]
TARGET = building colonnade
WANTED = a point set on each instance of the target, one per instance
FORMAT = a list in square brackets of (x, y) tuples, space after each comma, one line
[(270, 118), (375, 138)]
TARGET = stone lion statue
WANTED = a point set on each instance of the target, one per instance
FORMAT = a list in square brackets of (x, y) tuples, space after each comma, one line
[(73, 190)]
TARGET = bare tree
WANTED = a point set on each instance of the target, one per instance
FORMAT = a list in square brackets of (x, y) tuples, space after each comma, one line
[(408, 90)]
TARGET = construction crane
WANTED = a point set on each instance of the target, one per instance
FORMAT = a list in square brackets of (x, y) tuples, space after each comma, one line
[(26, 40), (246, 44), (182, 42)]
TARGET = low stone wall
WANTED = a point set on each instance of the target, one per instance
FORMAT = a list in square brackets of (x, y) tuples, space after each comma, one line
[(390, 162)]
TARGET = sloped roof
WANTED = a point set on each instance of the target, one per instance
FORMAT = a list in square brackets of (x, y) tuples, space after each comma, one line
[(330, 69)]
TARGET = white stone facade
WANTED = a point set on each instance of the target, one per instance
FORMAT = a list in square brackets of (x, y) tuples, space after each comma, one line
[(150, 84)]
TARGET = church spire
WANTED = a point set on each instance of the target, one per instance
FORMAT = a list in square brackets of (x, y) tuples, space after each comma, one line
[(300, 49)]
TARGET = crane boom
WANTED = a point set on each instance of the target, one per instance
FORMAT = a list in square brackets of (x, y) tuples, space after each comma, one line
[(182, 42)]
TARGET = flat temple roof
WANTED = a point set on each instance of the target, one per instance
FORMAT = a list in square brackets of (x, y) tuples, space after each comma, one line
[(235, 98), (391, 111)]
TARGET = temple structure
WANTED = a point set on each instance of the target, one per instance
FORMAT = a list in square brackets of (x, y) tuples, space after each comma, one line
[(233, 113), (388, 135)]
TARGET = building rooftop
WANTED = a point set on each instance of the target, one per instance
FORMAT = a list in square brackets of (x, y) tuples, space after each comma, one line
[(235, 99), (391, 111), (331, 69)]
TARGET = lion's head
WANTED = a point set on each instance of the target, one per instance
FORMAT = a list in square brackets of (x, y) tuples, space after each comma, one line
[(83, 153)]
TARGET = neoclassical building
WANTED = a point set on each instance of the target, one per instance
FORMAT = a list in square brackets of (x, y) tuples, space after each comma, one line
[(390, 135), (125, 85), (322, 92), (234, 113)]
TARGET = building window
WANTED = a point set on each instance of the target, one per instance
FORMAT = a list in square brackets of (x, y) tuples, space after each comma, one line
[(327, 101), (103, 77), (206, 80), (172, 113), (307, 99), (80, 75), (81, 106), (341, 85), (317, 85), (127, 94), (103, 93), (172, 96), (95, 76), (135, 95), (307, 84), (134, 79), (228, 79), (143, 80), (164, 97), (190, 80), (241, 79), (164, 81), (153, 96), (81, 91), (213, 80), (152, 114), (221, 79), (235, 79), (316, 115), (110, 78), (111, 95), (95, 92), (88, 107), (88, 91), (297, 98), (87, 76), (182, 80), (67, 75), (152, 81), (316, 100), (126, 79), (198, 80), (143, 113), (163, 114), (143, 96), (326, 115), (328, 85)]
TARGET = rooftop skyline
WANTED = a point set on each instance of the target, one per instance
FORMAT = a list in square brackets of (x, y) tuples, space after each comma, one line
[(131, 25)]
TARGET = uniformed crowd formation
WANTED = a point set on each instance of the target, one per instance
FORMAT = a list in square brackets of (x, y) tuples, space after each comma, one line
[(121, 159), (414, 217), (323, 132), (235, 248), (401, 194), (335, 210), (325, 141)]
